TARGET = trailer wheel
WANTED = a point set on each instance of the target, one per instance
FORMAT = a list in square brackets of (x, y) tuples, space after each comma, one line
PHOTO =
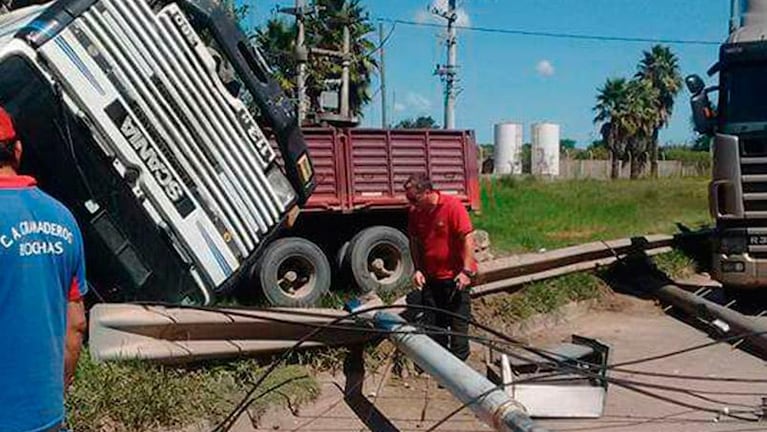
[(379, 259), (293, 272)]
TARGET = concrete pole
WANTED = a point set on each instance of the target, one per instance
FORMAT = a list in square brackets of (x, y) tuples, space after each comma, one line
[(302, 58), (734, 15), (382, 68), (489, 402), (345, 73), (452, 49), (754, 329)]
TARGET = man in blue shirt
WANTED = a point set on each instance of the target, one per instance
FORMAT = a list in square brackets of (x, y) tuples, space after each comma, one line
[(42, 283)]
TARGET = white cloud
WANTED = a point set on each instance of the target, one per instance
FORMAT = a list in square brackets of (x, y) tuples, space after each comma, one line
[(426, 16), (414, 104), (417, 102), (545, 68), (423, 16)]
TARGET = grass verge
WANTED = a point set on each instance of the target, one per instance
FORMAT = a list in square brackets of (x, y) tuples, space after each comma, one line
[(548, 296), (133, 396), (526, 214), (540, 298)]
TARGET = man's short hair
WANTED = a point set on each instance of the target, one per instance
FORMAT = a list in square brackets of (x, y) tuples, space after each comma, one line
[(421, 183), (6, 151)]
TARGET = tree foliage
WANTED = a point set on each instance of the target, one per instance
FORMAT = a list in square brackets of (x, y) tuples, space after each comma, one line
[(660, 68), (567, 144), (630, 113), (422, 122), (277, 38)]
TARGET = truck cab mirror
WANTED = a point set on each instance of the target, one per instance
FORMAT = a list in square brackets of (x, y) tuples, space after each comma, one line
[(703, 114), (695, 84)]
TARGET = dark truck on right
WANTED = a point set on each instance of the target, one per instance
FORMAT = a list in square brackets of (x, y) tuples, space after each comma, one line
[(738, 127)]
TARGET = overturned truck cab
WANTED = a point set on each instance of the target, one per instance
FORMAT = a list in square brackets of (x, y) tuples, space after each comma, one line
[(144, 118)]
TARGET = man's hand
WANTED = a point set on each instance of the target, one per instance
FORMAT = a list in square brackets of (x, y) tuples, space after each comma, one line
[(419, 280), (462, 281)]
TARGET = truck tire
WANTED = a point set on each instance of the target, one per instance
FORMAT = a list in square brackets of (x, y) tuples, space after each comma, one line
[(293, 272), (379, 260)]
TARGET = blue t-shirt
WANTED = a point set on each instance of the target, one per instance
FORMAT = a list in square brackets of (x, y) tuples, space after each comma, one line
[(42, 267)]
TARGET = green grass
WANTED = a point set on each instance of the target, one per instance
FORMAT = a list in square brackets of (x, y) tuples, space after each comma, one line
[(544, 297), (133, 397), (675, 264), (527, 214)]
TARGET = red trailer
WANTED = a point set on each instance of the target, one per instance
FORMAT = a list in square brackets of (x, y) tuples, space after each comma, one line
[(352, 229), (364, 169)]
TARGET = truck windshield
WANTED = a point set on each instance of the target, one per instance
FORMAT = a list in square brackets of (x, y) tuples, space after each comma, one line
[(743, 94)]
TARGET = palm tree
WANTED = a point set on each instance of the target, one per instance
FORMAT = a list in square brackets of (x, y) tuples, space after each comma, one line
[(660, 67), (324, 30), (642, 118), (277, 38), (612, 101)]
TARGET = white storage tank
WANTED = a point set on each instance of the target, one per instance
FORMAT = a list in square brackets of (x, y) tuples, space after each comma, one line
[(545, 151), (508, 148)]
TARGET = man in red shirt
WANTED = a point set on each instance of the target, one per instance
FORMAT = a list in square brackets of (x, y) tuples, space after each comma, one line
[(443, 253)]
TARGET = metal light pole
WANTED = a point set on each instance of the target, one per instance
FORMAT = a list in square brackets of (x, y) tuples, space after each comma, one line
[(384, 114), (489, 402)]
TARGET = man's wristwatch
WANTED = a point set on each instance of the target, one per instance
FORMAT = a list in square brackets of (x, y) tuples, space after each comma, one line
[(471, 274)]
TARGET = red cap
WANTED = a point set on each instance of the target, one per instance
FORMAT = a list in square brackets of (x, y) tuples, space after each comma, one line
[(7, 132)]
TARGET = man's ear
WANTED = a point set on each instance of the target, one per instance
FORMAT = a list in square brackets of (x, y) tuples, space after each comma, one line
[(17, 152)]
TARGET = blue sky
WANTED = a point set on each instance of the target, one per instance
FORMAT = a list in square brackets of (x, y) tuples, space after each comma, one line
[(531, 79)]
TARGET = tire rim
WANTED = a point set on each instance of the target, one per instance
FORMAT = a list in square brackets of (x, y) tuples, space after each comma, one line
[(385, 263), (296, 276)]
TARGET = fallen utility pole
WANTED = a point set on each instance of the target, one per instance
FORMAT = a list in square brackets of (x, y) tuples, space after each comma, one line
[(181, 335), (489, 402), (636, 271), (727, 321)]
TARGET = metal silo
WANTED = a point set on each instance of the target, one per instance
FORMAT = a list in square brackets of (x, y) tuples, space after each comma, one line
[(545, 151), (508, 148)]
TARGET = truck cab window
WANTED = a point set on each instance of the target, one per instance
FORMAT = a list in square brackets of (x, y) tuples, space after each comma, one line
[(744, 99)]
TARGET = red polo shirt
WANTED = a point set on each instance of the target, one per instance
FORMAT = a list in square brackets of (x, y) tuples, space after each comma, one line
[(440, 232)]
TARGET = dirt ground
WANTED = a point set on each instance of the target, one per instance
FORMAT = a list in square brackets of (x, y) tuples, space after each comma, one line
[(632, 328)]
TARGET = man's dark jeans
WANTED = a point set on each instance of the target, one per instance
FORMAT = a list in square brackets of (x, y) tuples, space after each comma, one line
[(443, 294)]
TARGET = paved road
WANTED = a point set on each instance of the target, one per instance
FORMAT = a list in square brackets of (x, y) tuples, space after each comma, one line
[(638, 330)]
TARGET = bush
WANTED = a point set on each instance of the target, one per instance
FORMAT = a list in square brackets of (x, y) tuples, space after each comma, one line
[(699, 159)]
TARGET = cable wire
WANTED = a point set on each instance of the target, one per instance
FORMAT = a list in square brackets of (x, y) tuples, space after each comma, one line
[(561, 364), (433, 330), (557, 35)]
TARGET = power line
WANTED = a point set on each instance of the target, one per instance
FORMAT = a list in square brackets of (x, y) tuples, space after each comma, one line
[(561, 364), (573, 36)]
